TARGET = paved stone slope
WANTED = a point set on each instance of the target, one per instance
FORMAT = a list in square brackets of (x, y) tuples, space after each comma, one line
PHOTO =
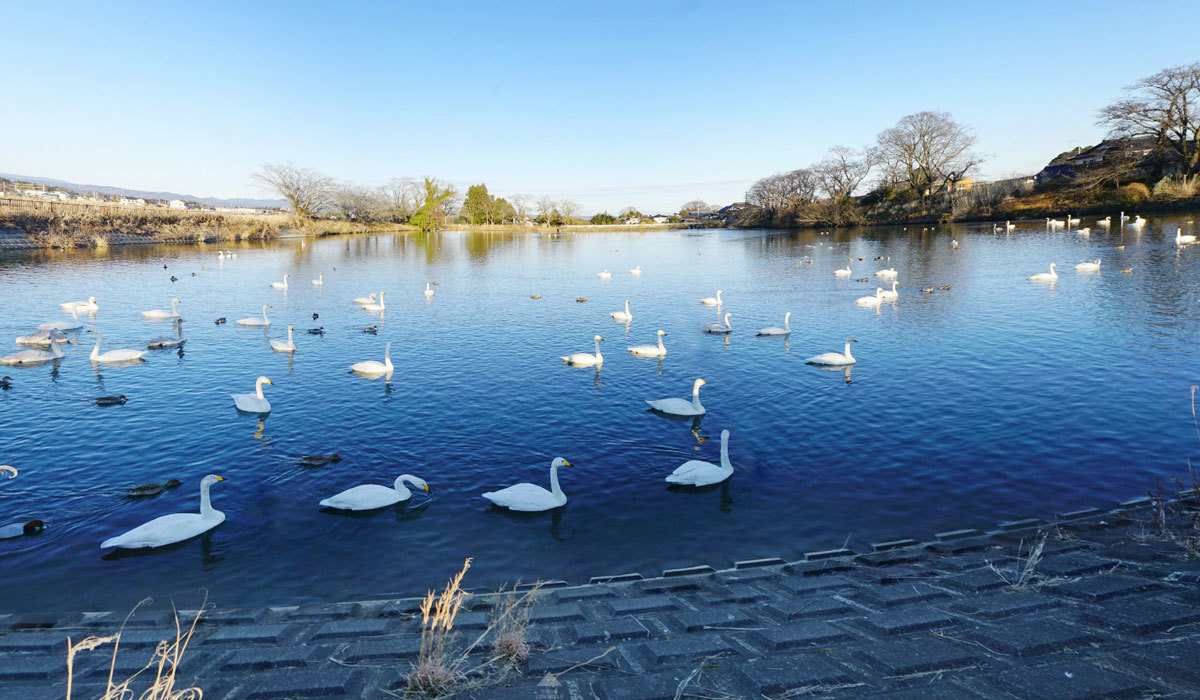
[(1112, 613)]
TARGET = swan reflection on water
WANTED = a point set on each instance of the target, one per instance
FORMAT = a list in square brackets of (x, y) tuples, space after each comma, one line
[(556, 518), (845, 370), (725, 500)]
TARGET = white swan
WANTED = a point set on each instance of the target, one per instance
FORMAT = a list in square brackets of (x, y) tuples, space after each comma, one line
[(695, 472), (363, 301), (61, 326), (372, 367), (873, 300), (529, 498), (88, 306), (1088, 266), (604, 275), (1138, 222), (1123, 217), (1009, 226), (428, 290), (650, 350), (254, 320), (584, 359), (1054, 223), (713, 301), (682, 407), (1105, 222), (1045, 276), (888, 273), (834, 359), (320, 280), (42, 338), (893, 295), (256, 402), (622, 316), (776, 330), (637, 271), (33, 357), (280, 346), (1071, 221), (954, 244), (122, 355), (844, 272), (375, 306), (176, 527), (372, 496), (1085, 231), (160, 313), (167, 341), (1181, 239), (280, 285), (718, 328)]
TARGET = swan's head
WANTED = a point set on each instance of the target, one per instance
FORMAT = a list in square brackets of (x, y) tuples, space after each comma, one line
[(787, 315), (727, 315), (698, 383), (33, 527), (662, 332), (1052, 265), (211, 479), (176, 301), (597, 338), (560, 462), (264, 380), (851, 340), (720, 291), (725, 435), (285, 277), (267, 306), (289, 328), (91, 300)]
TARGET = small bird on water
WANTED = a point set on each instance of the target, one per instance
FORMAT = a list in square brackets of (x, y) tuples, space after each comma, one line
[(6, 383), (219, 321), (111, 400), (317, 331), (315, 314)]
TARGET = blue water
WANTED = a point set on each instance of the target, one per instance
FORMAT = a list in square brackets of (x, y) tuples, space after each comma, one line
[(995, 399)]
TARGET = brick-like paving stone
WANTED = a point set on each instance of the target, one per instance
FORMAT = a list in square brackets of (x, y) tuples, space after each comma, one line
[(1108, 615)]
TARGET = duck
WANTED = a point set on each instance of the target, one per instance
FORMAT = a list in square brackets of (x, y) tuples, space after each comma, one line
[(862, 279), (718, 328), (111, 400), (844, 272), (88, 306), (1088, 266), (31, 527), (41, 338), (372, 367), (281, 285), (944, 287), (317, 331), (376, 306), (220, 321), (927, 290), (176, 527), (160, 313), (695, 472), (637, 271), (622, 316), (681, 407), (428, 290), (255, 321), (166, 341), (1127, 270), (580, 300), (319, 460), (373, 330), (121, 355), (890, 272), (373, 496), (5, 383), (650, 350), (363, 301), (154, 489), (1181, 239), (529, 498), (1045, 276), (280, 346), (834, 359), (583, 359), (316, 315), (535, 296), (33, 357), (873, 300), (256, 402), (713, 301), (320, 280), (776, 330), (605, 275)]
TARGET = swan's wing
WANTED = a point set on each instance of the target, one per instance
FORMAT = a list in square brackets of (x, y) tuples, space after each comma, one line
[(525, 497), (672, 406), (363, 497), (827, 358), (164, 530), (697, 473)]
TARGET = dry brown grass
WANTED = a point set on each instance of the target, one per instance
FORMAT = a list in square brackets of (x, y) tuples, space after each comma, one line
[(165, 661), (510, 627), (1026, 570), (439, 668)]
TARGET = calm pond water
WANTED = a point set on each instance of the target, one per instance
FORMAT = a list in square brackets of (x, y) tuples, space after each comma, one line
[(998, 398)]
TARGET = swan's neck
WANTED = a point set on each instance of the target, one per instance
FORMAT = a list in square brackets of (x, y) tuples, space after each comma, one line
[(597, 342), (894, 283), (660, 345), (727, 321), (289, 336), (696, 397), (54, 349), (264, 314), (179, 329), (725, 454), (554, 487), (173, 311), (847, 353), (258, 389), (95, 350), (206, 509), (718, 297), (626, 307)]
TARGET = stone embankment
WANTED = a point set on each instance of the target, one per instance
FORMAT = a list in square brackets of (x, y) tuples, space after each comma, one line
[(1111, 609)]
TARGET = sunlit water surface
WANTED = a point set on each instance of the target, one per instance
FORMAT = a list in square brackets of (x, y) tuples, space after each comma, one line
[(998, 398)]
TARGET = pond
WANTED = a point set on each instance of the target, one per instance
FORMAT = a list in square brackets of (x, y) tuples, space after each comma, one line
[(996, 398)]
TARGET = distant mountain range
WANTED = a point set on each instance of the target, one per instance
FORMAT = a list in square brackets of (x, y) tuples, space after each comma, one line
[(144, 194)]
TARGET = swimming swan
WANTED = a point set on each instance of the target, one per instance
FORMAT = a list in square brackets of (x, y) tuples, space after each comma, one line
[(890, 272), (682, 407), (776, 330), (713, 301), (834, 359), (33, 357), (695, 472), (372, 496), (159, 313), (637, 271), (1105, 222), (650, 350), (254, 320), (873, 300), (622, 316), (1181, 239), (256, 402), (1045, 276), (718, 328), (41, 338), (371, 367), (320, 280), (166, 341), (604, 275), (844, 272), (281, 285), (529, 498), (363, 301), (379, 306), (123, 355), (893, 295), (75, 306), (583, 359), (176, 527), (1088, 266), (61, 326), (280, 346)]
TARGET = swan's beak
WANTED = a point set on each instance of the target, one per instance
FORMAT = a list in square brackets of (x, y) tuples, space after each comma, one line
[(270, 382), (426, 487), (220, 478), (566, 463)]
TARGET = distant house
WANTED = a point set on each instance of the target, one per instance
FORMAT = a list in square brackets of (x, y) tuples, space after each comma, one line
[(661, 218), (133, 201), (178, 204), (632, 221), (733, 212), (1141, 153)]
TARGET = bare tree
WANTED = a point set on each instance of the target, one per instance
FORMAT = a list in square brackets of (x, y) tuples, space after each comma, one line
[(546, 208), (788, 191), (520, 204), (927, 149), (844, 169), (568, 208), (356, 203), (306, 190), (1166, 107), (402, 196), (695, 206)]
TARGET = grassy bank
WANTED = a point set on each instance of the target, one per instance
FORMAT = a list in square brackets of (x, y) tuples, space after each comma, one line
[(567, 228)]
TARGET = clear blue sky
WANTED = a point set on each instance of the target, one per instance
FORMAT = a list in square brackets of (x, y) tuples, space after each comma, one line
[(612, 104)]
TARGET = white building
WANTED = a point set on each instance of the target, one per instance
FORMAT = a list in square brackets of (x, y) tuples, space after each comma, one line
[(178, 204)]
